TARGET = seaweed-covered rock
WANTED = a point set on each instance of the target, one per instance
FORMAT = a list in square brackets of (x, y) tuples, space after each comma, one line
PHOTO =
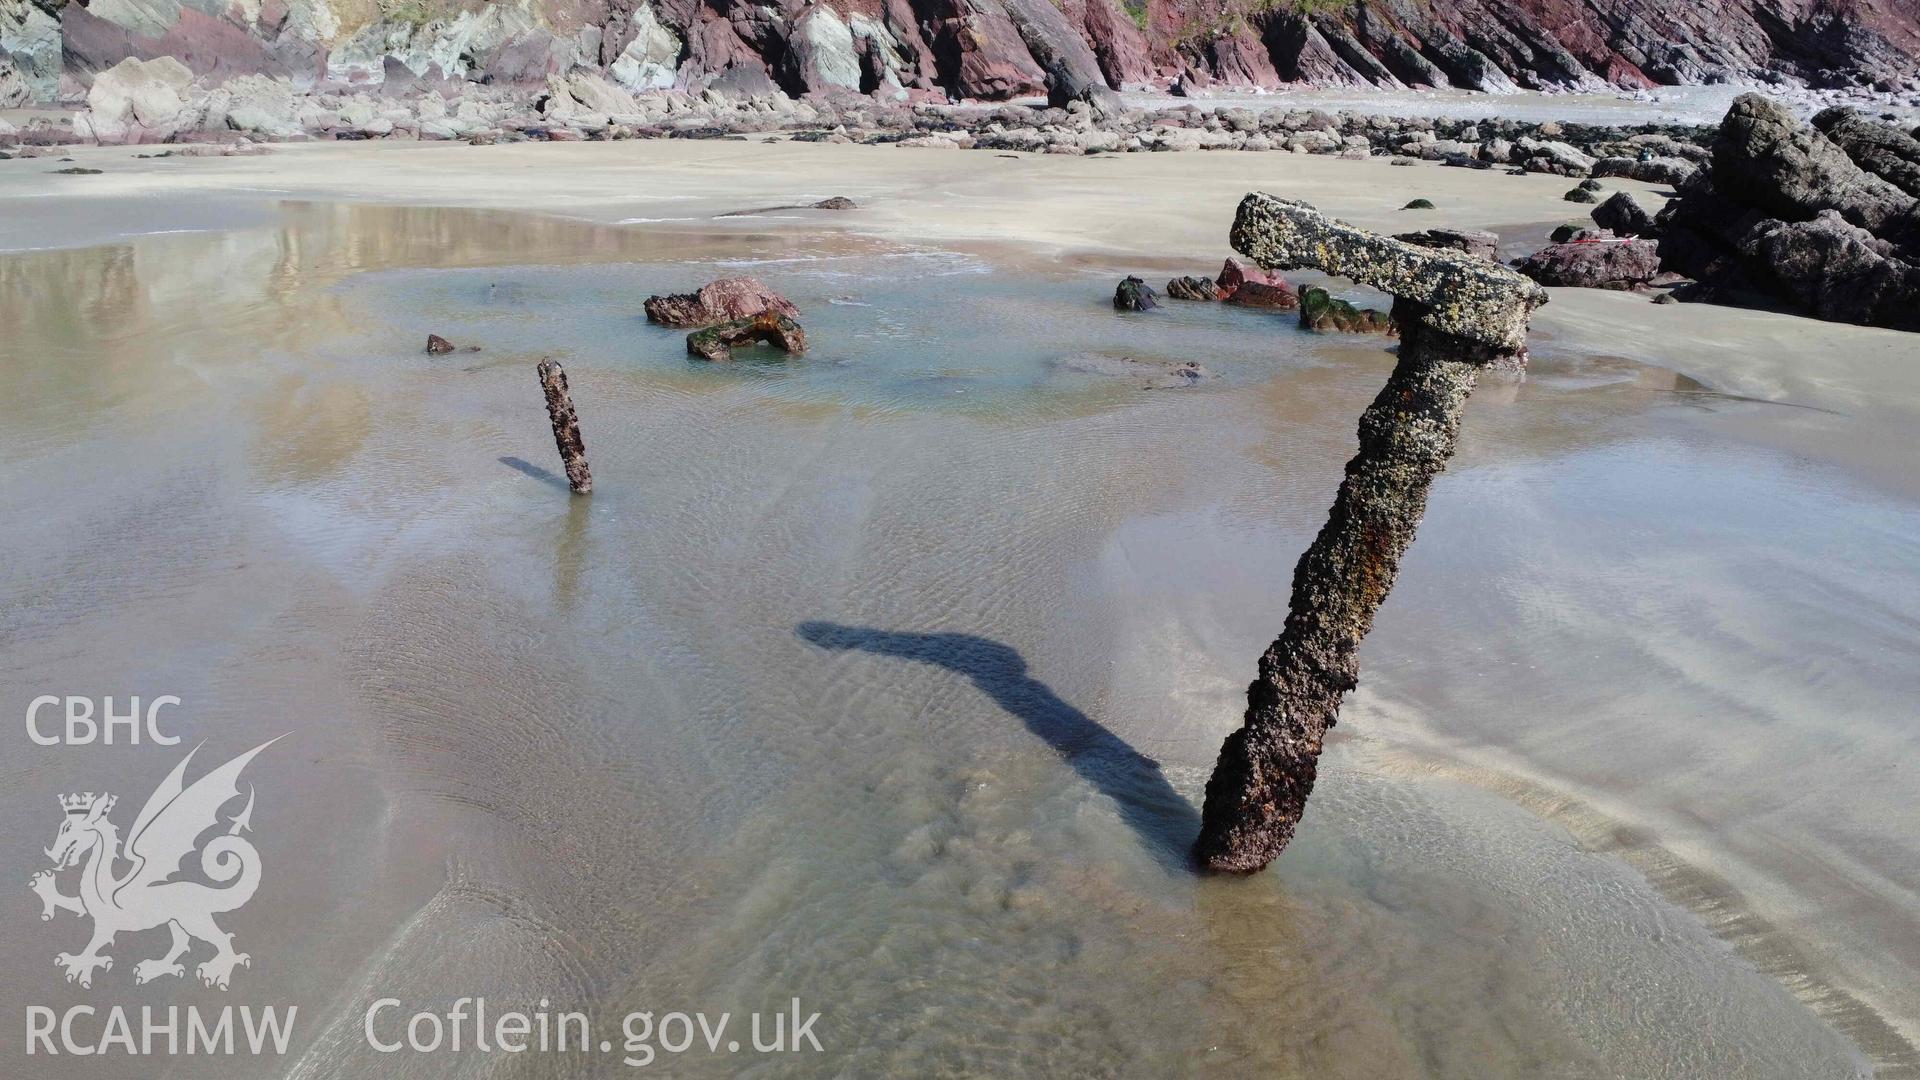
[(1324, 312), (768, 327), (718, 301), (1134, 294)]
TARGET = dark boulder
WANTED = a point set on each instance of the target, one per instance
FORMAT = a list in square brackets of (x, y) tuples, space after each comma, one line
[(1652, 170), (1837, 270), (717, 342), (1133, 294), (438, 346), (1766, 159), (1880, 148), (1483, 245), (1594, 264), (1787, 217), (1623, 216)]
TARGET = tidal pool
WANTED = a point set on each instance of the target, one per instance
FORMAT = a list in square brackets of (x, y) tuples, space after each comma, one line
[(887, 678)]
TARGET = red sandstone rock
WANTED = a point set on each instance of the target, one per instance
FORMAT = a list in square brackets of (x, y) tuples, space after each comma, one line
[(718, 301)]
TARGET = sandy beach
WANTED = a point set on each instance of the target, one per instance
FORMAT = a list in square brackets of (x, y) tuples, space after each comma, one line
[(1634, 730)]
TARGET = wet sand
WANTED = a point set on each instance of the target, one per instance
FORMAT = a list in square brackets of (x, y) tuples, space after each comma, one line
[(891, 678)]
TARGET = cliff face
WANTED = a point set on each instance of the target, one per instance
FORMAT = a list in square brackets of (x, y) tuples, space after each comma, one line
[(982, 49)]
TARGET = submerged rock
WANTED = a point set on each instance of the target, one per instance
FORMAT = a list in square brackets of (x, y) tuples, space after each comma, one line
[(1150, 374), (1234, 274), (1259, 294), (1134, 294), (1254, 287), (769, 327), (1321, 311), (438, 346), (718, 301), (838, 202)]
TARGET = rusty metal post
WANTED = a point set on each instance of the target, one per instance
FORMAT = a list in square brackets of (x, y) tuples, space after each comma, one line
[(1456, 315), (566, 427)]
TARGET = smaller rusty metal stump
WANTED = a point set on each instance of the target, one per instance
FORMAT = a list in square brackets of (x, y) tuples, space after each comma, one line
[(566, 427), (1456, 314)]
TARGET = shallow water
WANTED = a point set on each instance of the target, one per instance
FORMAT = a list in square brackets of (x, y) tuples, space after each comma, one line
[(888, 677)]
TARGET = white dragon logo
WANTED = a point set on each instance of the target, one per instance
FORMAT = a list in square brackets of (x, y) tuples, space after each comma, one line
[(163, 835)]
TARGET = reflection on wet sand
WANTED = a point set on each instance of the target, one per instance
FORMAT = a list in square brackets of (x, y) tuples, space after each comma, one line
[(574, 748)]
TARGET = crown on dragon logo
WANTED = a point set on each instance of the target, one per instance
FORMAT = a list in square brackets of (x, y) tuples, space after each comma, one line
[(77, 803)]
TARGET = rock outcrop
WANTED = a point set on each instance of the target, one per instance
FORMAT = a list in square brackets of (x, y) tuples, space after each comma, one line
[(994, 50), (721, 300), (139, 101), (14, 91), (1785, 216), (1878, 147)]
